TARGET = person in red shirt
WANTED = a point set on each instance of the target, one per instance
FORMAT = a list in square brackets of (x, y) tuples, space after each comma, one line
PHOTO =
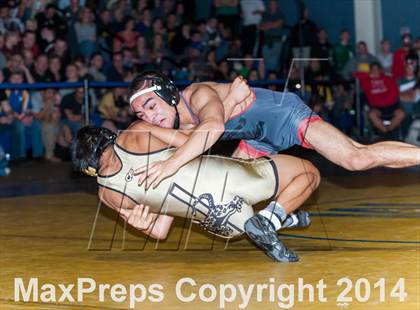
[(383, 98), (398, 61)]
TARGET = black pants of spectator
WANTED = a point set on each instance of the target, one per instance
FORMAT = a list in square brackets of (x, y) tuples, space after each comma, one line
[(249, 39)]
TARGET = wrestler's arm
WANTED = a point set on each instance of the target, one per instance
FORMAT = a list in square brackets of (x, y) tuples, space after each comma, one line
[(239, 94), (154, 225), (210, 111)]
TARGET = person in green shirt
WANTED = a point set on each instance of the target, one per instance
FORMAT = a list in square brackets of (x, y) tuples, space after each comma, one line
[(342, 52)]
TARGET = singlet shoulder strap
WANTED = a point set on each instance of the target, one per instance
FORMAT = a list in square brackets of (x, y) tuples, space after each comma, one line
[(194, 116)]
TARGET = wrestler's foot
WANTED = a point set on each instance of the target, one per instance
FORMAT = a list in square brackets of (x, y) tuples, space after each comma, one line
[(262, 233), (298, 219)]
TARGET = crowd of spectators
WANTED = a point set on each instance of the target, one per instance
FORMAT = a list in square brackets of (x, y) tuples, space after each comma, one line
[(73, 40)]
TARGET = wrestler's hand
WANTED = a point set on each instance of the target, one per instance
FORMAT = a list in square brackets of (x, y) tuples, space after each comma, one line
[(155, 172), (138, 217), (239, 90)]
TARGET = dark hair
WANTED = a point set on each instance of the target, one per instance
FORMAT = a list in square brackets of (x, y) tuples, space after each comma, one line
[(94, 55), (88, 146), (362, 43), (375, 64)]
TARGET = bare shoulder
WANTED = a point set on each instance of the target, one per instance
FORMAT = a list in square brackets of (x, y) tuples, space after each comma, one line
[(133, 134), (139, 124)]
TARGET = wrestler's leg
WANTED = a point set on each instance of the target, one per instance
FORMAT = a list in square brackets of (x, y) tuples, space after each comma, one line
[(298, 179), (340, 149)]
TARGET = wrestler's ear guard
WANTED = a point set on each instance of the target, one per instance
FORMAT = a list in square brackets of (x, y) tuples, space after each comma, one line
[(90, 171)]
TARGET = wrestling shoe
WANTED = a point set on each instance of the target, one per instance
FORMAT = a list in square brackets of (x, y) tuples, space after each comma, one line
[(298, 219), (261, 232)]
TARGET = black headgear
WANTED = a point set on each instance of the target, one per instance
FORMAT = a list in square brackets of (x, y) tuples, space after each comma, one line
[(161, 85), (87, 148), (165, 87)]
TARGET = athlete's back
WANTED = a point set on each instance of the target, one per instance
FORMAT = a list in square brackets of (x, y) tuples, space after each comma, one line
[(211, 189)]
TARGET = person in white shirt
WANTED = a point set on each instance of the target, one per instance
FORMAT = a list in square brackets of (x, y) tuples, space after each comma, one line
[(385, 57)]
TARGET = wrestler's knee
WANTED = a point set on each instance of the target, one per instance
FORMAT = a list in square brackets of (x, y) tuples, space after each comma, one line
[(314, 175)]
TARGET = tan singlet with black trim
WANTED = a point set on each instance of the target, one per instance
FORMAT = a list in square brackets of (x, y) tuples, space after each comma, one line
[(215, 191)]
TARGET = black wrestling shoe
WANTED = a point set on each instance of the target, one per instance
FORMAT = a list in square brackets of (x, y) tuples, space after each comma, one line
[(298, 219), (262, 233)]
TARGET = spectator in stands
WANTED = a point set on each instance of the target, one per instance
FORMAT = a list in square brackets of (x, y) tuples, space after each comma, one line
[(29, 43), (3, 60), (212, 37), (23, 122), (222, 74), (157, 27), (47, 39), (360, 63), (385, 57), (141, 5), (417, 47), (55, 68), (72, 110), (249, 64), (211, 61), (342, 112), (324, 50), (144, 26), (159, 51), (410, 92), (252, 11), (7, 21), (181, 39), (114, 110), (398, 66), (24, 11), (227, 13), (60, 49), (143, 53), (172, 27), (62, 145), (253, 75), (49, 115), (31, 25), (51, 19), (11, 43), (273, 76), (72, 76), (40, 71), (272, 26), (72, 12), (96, 67), (16, 63), (5, 124), (317, 79), (104, 31), (28, 58), (308, 39), (85, 30), (198, 68), (115, 72), (6, 117), (342, 52), (126, 38), (383, 98)]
